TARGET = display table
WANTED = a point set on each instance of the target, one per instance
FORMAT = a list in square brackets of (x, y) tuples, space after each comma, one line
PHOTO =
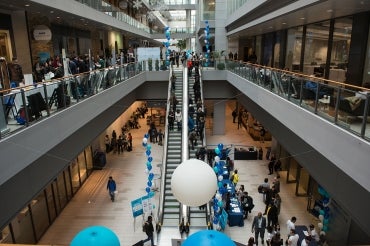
[(230, 186), (245, 154), (236, 215), (299, 229)]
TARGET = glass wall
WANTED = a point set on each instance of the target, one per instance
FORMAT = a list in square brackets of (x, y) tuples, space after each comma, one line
[(51, 203), (294, 47), (75, 175), (208, 9), (340, 49), (39, 214), (258, 49), (61, 189), (5, 236), (82, 166), (22, 227), (30, 224), (316, 48), (277, 49), (366, 75), (267, 49)]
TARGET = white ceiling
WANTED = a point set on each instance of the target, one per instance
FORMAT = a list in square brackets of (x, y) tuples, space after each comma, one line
[(322, 10)]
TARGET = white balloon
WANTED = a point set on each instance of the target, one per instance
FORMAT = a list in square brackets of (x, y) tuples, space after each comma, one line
[(319, 225), (217, 159), (220, 178), (194, 182), (321, 217), (322, 233), (145, 140), (146, 171)]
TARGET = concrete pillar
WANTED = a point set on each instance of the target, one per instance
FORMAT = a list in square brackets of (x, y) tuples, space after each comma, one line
[(219, 111)]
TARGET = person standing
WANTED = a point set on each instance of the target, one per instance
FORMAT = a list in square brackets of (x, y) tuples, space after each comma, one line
[(234, 114), (111, 187), (107, 144), (129, 140), (258, 227), (293, 238), (262, 134), (15, 73), (291, 224), (149, 230), (171, 120), (178, 119), (160, 137), (120, 144)]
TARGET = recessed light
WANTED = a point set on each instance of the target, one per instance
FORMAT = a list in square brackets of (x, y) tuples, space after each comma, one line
[(58, 17), (51, 12), (329, 10), (284, 23), (27, 5), (302, 18)]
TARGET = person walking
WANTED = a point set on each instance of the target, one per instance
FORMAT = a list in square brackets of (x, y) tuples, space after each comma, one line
[(258, 227), (111, 187), (149, 230)]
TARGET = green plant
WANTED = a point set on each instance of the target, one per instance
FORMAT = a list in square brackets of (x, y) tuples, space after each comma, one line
[(221, 66), (150, 64), (181, 44)]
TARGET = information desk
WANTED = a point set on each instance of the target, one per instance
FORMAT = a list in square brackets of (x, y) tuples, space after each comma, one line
[(236, 215), (230, 186)]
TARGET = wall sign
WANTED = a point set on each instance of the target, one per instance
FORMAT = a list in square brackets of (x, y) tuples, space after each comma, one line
[(42, 32)]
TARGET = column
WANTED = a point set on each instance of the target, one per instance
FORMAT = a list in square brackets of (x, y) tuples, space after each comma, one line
[(219, 111)]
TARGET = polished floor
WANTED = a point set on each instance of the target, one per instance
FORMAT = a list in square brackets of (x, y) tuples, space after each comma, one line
[(92, 205)]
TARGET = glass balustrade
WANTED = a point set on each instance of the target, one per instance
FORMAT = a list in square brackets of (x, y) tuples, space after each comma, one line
[(26, 105), (345, 105)]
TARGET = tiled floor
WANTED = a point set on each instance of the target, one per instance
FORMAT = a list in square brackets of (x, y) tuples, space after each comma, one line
[(92, 206)]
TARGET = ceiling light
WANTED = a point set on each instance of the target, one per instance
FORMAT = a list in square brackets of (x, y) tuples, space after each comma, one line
[(27, 5), (329, 10), (58, 17), (302, 18), (284, 23), (51, 12)]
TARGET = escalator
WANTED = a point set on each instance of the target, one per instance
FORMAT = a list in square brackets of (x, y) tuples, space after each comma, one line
[(197, 216), (171, 207)]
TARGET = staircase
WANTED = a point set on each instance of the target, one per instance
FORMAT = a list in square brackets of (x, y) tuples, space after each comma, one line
[(171, 207)]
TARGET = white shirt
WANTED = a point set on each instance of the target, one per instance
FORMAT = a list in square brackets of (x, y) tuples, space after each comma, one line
[(304, 243), (178, 117), (315, 235), (293, 240), (290, 225)]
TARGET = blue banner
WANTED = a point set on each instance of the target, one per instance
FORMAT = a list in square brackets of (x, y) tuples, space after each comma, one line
[(137, 207)]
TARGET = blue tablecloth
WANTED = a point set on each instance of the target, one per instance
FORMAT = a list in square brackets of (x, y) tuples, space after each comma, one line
[(230, 186), (236, 215), (299, 230)]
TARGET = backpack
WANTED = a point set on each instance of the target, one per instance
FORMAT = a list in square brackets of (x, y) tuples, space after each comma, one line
[(145, 226)]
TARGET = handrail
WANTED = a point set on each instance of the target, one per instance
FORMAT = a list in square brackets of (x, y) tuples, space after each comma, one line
[(96, 81), (164, 154), (184, 140), (335, 94)]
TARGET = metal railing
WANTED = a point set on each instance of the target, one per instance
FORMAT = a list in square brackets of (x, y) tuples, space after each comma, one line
[(345, 105), (26, 105)]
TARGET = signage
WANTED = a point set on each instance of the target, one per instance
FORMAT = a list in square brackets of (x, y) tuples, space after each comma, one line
[(141, 205), (42, 32)]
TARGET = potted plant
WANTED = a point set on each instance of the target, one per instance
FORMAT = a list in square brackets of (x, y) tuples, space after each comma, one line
[(150, 64)]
